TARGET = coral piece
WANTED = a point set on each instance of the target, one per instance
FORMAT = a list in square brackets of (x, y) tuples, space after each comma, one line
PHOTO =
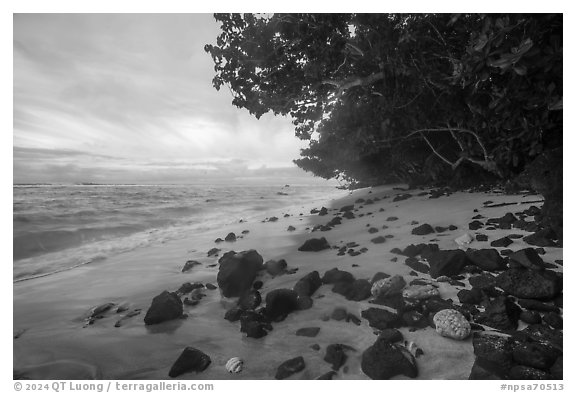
[(452, 324)]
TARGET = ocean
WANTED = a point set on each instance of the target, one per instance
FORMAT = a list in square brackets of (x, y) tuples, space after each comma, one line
[(60, 227)]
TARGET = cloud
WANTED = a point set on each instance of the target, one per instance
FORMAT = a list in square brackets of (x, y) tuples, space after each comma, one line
[(129, 98)]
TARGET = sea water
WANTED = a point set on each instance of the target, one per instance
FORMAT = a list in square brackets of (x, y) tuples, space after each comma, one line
[(59, 227)]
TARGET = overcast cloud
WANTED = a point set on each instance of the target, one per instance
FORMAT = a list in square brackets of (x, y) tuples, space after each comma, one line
[(128, 98)]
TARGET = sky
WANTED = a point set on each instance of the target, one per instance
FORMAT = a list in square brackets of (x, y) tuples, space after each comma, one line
[(128, 98)]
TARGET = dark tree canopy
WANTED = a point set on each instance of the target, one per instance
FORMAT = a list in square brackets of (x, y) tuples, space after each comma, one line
[(410, 97)]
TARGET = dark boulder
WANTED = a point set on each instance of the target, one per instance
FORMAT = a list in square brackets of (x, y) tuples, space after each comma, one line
[(359, 290), (545, 335), (486, 259), (534, 355), (339, 314), (308, 331), (290, 367), (327, 376), (380, 319), (308, 284), (501, 313), (233, 314), (188, 287), (557, 369), (474, 225), (542, 238), (213, 252), (384, 360), (335, 355), (447, 262), (537, 305), (493, 352), (390, 335), (250, 300), (529, 258), (281, 302), (481, 238), (334, 275), (378, 240), (189, 265), (483, 281), (528, 373), (305, 302), (395, 301), (424, 229), (191, 359), (414, 319), (379, 276), (231, 237), (347, 208), (401, 197), (502, 242), (473, 296), (254, 324), (415, 264), (349, 215), (413, 250), (530, 317), (480, 373), (237, 272), (275, 268), (554, 320), (164, 307), (314, 245), (530, 284)]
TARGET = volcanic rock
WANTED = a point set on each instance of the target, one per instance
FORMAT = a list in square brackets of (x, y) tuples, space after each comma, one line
[(379, 318), (314, 245), (334, 275), (486, 259), (384, 360), (529, 258), (189, 265), (191, 359), (290, 367), (503, 242), (308, 331), (530, 284), (308, 284), (164, 307), (502, 313), (237, 272), (447, 262), (424, 229)]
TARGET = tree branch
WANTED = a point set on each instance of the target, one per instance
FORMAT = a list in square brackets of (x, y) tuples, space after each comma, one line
[(438, 154), (345, 84)]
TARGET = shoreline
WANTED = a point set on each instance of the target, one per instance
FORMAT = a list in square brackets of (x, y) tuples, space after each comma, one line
[(50, 310)]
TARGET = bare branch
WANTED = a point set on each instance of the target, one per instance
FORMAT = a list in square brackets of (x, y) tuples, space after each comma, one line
[(435, 152), (354, 49), (456, 139), (340, 66), (353, 81), (438, 33), (409, 102)]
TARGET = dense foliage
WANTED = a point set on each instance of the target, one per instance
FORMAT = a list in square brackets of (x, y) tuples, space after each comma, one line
[(411, 97)]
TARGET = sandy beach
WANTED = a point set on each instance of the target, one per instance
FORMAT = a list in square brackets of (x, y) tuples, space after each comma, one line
[(53, 340)]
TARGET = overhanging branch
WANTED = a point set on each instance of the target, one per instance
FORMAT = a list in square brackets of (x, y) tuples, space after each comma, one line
[(345, 84)]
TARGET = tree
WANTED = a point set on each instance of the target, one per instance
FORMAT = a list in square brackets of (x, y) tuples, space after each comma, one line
[(384, 97)]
